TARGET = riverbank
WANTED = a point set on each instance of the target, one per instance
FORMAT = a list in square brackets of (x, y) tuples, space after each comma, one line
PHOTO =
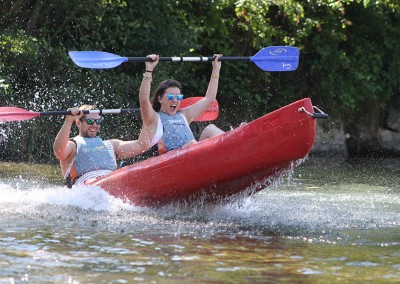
[(330, 140)]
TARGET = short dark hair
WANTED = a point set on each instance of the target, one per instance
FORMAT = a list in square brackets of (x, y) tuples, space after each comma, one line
[(86, 107)]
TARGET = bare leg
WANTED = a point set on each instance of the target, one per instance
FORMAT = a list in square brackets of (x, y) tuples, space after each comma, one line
[(191, 142), (210, 131)]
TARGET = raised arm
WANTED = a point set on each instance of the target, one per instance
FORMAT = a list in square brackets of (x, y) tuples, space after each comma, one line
[(198, 108), (128, 149), (149, 116), (62, 147)]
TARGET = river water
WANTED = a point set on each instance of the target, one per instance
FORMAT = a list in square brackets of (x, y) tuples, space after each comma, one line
[(328, 221)]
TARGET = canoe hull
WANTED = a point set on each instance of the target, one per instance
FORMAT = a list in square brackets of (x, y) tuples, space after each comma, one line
[(221, 166)]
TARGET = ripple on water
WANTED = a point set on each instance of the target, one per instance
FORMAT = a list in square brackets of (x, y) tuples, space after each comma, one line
[(298, 208)]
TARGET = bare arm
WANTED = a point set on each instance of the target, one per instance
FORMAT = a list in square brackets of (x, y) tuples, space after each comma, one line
[(149, 115), (128, 149), (62, 147), (198, 108)]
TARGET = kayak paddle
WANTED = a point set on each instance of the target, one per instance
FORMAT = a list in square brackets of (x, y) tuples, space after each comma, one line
[(272, 58), (19, 114)]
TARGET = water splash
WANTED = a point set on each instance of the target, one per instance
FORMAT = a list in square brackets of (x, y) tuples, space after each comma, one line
[(17, 197), (287, 207)]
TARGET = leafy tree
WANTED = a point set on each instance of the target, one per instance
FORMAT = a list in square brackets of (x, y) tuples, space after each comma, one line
[(349, 57), (348, 65)]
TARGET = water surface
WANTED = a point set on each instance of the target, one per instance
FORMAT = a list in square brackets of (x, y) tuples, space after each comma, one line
[(329, 221)]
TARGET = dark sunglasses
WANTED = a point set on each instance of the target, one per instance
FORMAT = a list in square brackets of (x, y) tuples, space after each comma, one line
[(91, 121), (179, 97)]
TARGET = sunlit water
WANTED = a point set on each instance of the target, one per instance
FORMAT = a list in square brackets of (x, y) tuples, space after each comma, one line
[(328, 221)]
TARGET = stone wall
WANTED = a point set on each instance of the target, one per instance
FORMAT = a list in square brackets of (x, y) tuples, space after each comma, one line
[(330, 138)]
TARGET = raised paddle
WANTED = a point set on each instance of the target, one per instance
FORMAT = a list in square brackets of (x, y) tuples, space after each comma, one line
[(272, 58), (19, 114)]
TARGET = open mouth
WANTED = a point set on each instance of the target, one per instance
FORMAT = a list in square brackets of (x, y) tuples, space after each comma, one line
[(92, 131)]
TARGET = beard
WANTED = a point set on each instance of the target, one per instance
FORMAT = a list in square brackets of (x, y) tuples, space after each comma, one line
[(88, 134)]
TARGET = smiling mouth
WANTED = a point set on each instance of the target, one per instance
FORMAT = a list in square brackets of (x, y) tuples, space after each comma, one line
[(92, 130)]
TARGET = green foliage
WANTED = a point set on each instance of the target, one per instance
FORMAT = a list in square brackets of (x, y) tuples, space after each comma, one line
[(349, 51), (349, 57), (352, 55)]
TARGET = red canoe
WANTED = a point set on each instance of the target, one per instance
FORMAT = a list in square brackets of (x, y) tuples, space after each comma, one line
[(222, 166)]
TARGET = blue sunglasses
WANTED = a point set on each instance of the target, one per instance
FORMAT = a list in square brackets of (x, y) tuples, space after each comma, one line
[(179, 97)]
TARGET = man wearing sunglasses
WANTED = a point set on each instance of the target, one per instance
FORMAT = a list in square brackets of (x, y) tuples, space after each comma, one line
[(88, 156), (172, 126)]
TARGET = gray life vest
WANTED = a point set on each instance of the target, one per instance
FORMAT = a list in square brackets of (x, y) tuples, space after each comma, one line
[(176, 130), (93, 154)]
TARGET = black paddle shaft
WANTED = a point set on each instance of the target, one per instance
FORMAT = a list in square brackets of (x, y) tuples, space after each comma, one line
[(190, 59), (99, 111)]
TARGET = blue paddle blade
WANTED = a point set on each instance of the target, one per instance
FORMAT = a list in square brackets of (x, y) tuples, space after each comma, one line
[(277, 58), (96, 59)]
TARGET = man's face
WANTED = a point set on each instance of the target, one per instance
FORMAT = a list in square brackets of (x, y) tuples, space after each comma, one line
[(89, 125)]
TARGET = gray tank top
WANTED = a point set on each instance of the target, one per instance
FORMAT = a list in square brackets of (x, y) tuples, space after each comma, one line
[(93, 154), (176, 130)]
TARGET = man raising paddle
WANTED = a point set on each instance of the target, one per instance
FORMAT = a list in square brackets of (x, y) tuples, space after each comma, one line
[(87, 156)]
